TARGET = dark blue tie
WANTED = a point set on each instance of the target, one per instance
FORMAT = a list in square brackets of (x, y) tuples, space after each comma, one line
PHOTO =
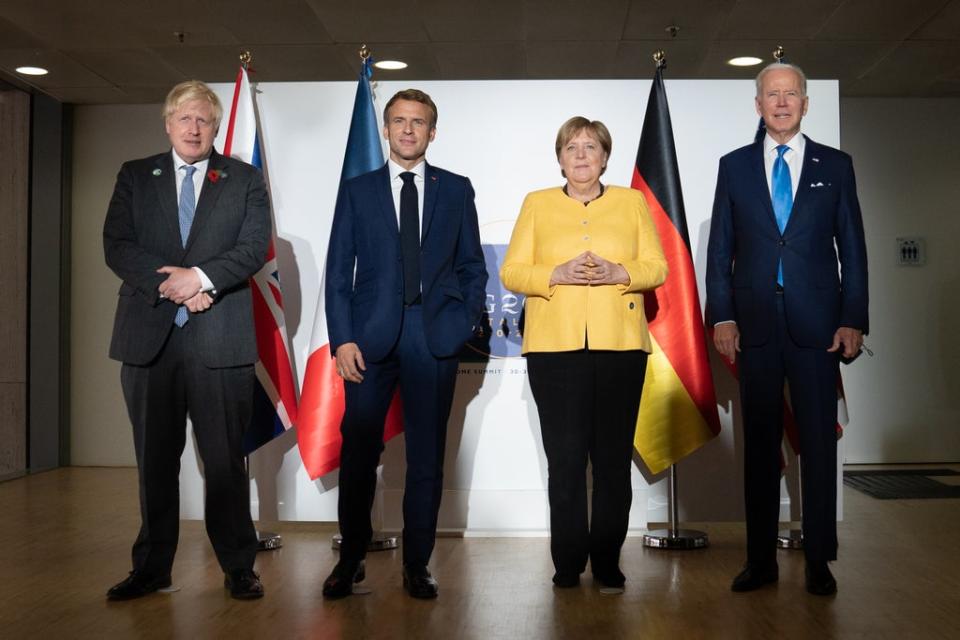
[(410, 237), (188, 207), (782, 193)]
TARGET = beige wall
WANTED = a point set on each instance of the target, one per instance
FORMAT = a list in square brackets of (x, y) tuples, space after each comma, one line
[(104, 137), (902, 402)]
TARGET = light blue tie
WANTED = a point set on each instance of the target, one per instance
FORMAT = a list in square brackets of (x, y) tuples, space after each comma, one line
[(188, 206), (782, 193)]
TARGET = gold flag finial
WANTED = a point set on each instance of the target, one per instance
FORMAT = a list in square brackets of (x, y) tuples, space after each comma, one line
[(778, 53), (245, 59), (660, 58), (364, 52)]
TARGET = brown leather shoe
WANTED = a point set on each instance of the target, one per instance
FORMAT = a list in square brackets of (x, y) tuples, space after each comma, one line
[(244, 584)]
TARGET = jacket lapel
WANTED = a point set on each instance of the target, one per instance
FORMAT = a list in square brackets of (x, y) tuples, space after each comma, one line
[(165, 181), (213, 185), (389, 212), (811, 159), (759, 170), (431, 186)]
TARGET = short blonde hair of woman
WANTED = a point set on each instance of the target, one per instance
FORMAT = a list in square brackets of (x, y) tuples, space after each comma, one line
[(192, 90), (594, 128)]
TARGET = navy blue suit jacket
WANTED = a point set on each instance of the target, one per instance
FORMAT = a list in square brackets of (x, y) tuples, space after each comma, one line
[(825, 229), (364, 277)]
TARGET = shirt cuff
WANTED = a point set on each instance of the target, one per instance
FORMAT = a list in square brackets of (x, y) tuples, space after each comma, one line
[(206, 285), (717, 324)]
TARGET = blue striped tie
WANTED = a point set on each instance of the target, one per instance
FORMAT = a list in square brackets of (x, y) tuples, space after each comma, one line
[(782, 196), (188, 206)]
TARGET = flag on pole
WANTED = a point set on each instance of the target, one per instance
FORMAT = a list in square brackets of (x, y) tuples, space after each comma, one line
[(678, 410), (275, 393), (322, 402)]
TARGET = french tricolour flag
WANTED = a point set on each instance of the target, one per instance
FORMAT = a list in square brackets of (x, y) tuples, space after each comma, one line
[(275, 396)]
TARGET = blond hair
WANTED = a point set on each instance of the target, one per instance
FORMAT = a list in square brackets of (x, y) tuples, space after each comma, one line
[(192, 90)]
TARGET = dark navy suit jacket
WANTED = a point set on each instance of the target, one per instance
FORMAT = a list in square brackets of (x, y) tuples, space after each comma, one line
[(364, 277), (825, 229)]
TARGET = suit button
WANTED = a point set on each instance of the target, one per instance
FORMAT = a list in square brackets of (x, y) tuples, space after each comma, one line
[(782, 243)]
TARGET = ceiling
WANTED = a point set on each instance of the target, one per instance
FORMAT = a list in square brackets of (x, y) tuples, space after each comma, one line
[(129, 51)]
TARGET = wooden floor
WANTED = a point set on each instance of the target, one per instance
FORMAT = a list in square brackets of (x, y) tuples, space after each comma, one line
[(65, 538)]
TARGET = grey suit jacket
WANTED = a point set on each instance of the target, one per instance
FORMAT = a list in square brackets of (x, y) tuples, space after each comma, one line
[(228, 241)]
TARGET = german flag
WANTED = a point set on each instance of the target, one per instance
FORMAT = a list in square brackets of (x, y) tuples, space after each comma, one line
[(678, 411)]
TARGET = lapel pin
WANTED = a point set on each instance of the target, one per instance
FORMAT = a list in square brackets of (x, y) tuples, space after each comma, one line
[(157, 172), (815, 159)]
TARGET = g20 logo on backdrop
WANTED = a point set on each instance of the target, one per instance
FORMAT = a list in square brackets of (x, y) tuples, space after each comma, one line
[(500, 331)]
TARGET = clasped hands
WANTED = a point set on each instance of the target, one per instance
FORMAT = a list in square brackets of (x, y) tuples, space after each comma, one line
[(182, 286), (589, 268)]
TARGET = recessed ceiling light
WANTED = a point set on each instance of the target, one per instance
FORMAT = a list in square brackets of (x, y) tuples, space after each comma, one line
[(32, 71), (391, 65), (744, 61)]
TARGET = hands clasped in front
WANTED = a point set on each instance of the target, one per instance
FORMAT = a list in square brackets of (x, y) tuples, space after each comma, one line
[(182, 286), (590, 269)]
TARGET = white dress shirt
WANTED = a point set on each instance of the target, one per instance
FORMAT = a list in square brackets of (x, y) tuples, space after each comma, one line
[(396, 184), (794, 158), (198, 176)]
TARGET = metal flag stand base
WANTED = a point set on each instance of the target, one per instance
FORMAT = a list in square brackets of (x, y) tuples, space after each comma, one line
[(268, 541), (675, 538), (379, 542), (790, 539)]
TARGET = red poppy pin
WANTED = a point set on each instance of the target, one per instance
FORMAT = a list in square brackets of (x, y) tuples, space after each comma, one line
[(215, 174)]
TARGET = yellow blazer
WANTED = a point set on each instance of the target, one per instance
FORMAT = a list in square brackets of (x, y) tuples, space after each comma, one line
[(553, 228)]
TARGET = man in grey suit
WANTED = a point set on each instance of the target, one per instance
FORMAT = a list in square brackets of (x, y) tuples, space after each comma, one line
[(184, 231)]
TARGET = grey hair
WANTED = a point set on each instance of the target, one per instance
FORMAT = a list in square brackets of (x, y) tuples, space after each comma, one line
[(782, 65)]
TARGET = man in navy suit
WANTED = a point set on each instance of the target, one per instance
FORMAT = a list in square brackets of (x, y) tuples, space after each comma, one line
[(785, 216), (405, 285), (184, 231)]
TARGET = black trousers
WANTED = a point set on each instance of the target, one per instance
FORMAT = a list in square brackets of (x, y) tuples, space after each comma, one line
[(159, 397), (426, 388), (812, 378), (588, 403)]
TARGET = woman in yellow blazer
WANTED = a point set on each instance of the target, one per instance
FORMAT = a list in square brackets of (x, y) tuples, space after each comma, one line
[(583, 255)]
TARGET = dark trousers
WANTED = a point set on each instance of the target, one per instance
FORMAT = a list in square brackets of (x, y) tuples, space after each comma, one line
[(588, 403), (812, 378), (159, 397), (426, 388)]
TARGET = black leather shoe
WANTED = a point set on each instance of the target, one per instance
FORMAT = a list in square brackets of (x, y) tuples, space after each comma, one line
[(820, 582), (339, 584), (137, 585), (566, 580), (244, 584), (612, 578), (419, 583), (754, 576)]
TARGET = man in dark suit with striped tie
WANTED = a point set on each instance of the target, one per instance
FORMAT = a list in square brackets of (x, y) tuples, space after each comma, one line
[(785, 216), (184, 231)]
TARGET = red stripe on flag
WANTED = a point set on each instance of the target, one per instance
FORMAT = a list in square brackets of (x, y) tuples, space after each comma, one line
[(272, 351), (674, 319), (321, 407), (228, 143)]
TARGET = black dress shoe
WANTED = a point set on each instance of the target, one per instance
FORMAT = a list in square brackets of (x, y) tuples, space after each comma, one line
[(419, 583), (754, 576), (137, 585), (610, 578), (566, 580), (244, 584), (339, 584), (820, 582)]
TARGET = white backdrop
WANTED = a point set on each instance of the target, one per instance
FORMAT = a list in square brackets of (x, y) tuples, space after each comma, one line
[(500, 134)]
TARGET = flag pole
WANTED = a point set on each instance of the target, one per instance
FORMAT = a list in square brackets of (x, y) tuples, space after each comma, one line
[(380, 541), (673, 537), (266, 540)]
